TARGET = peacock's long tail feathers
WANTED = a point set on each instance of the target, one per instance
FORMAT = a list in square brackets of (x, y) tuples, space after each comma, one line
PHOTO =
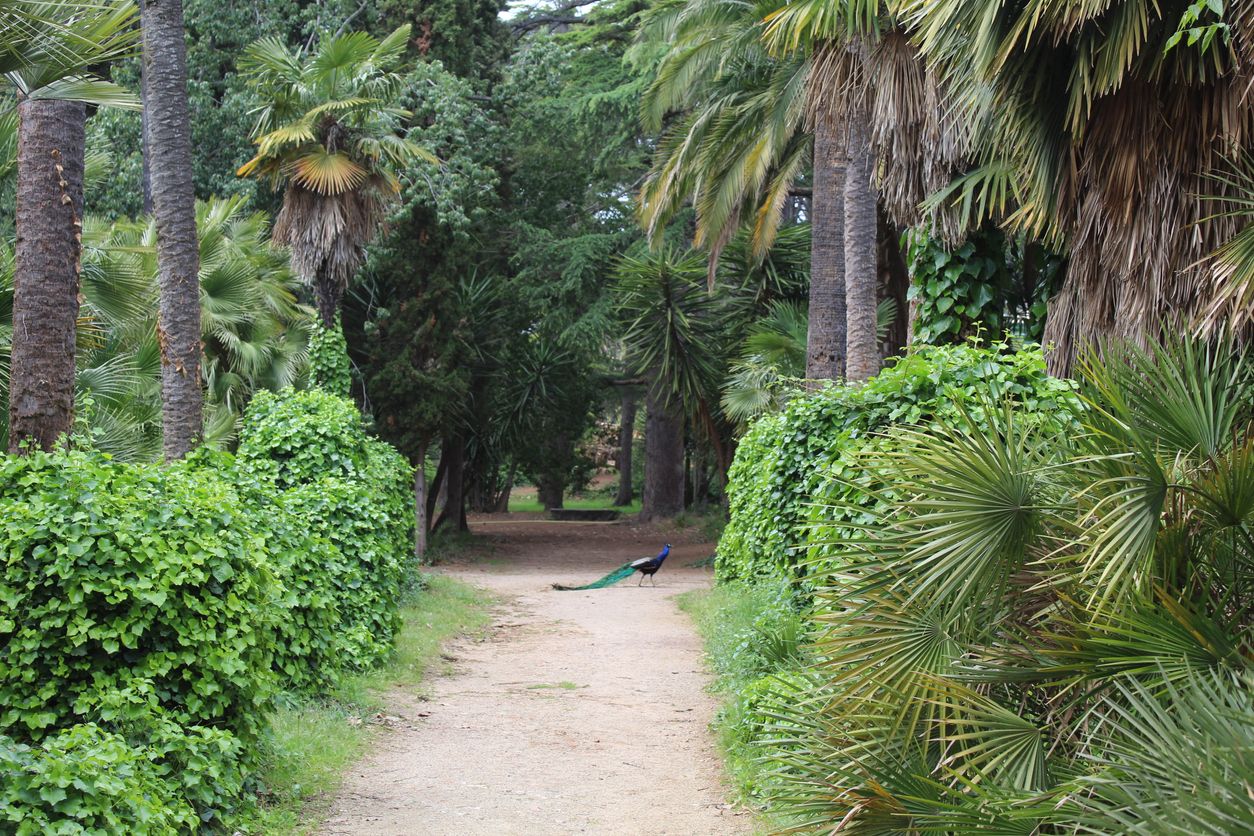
[(624, 571)]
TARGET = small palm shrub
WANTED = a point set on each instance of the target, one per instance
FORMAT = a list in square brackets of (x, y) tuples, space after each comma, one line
[(1038, 631)]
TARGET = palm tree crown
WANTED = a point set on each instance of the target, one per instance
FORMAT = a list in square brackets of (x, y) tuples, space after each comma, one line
[(328, 128)]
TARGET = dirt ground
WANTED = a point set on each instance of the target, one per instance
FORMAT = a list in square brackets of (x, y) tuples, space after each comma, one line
[(581, 712)]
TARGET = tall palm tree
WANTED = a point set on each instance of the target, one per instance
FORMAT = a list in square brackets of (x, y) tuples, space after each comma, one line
[(330, 131), (739, 147), (765, 83), (1087, 130), (168, 158), (45, 51)]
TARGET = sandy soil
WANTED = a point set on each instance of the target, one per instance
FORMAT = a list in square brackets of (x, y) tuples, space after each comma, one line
[(581, 712)]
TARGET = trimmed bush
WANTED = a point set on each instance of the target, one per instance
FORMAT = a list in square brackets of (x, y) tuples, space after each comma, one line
[(352, 494), (807, 454), (293, 438), (120, 577)]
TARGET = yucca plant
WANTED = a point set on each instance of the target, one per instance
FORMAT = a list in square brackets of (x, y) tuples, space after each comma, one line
[(1042, 629), (329, 130)]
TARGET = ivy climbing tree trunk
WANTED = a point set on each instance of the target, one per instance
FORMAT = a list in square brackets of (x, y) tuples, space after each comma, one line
[(169, 155), (862, 359), (663, 455), (420, 504), (626, 440), (50, 148), (825, 342)]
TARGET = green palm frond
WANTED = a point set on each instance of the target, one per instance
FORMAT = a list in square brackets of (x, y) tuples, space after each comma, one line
[(48, 48), (1182, 764)]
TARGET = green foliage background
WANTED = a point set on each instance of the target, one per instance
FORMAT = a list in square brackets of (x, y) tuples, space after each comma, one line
[(788, 462)]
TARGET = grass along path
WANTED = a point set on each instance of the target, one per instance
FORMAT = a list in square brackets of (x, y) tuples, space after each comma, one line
[(312, 743)]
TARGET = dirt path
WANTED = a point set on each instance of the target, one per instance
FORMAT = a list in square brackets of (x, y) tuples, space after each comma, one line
[(584, 712)]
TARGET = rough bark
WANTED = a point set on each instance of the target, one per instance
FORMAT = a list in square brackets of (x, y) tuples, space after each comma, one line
[(825, 342), (663, 456), (862, 359), (454, 512), (551, 493), (626, 440), (328, 295), (51, 141), (420, 505), (174, 208)]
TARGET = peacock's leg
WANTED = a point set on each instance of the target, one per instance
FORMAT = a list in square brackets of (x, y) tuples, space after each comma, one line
[(641, 579)]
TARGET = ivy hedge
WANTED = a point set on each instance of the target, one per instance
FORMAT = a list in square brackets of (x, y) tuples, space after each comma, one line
[(794, 472), (150, 614)]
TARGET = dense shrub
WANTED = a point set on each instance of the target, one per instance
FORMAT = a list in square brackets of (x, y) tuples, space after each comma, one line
[(86, 780), (1041, 631), (369, 535), (788, 462), (293, 438), (352, 495), (147, 613), (135, 578)]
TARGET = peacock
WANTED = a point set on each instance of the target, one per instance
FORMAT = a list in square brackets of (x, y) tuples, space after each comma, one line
[(646, 566)]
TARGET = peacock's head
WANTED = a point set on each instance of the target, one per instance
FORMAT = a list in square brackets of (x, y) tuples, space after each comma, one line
[(668, 545)]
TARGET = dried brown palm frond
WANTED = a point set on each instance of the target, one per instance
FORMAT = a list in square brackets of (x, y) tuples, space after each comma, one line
[(1105, 139), (329, 129), (327, 235)]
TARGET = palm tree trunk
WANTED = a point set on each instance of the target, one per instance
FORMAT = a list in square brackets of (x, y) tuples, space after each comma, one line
[(825, 342), (626, 439), (861, 273), (174, 208), (663, 455), (551, 490), (51, 140)]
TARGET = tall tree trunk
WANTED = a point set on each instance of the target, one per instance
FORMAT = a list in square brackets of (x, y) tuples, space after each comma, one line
[(144, 142), (626, 440), (50, 146), (551, 492), (894, 279), (825, 342), (436, 489), (663, 455), (862, 359), (174, 207), (502, 500), (420, 504), (327, 297), (454, 480)]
